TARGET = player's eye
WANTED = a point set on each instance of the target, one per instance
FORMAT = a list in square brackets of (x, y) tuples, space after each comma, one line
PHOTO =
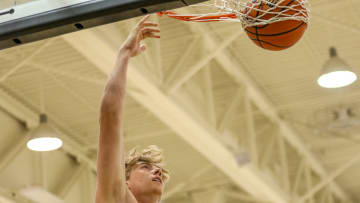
[(146, 166)]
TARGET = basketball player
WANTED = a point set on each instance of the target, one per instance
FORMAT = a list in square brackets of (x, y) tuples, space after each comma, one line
[(140, 178)]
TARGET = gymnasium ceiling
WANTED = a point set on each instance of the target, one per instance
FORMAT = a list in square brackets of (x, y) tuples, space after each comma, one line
[(206, 95)]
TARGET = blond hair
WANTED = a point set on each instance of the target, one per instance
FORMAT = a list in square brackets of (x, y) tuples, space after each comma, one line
[(151, 154)]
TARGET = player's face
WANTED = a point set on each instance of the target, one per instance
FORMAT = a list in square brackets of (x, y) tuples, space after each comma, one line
[(146, 178)]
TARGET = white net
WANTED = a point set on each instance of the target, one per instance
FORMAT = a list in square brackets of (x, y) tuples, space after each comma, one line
[(260, 12), (251, 13)]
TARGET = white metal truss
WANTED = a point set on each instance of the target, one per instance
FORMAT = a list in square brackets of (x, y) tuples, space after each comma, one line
[(209, 196), (11, 153), (26, 60), (180, 186), (203, 62), (331, 177), (69, 182), (263, 103), (20, 111)]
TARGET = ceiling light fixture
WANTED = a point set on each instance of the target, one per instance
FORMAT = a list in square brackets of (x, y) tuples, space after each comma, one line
[(44, 137), (336, 73)]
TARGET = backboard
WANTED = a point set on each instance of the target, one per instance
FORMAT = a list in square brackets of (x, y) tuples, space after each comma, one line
[(32, 20)]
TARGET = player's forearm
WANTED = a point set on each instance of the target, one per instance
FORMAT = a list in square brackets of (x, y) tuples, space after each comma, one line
[(115, 88)]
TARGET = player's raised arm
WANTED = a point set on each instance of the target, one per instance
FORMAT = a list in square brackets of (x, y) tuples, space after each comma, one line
[(111, 187)]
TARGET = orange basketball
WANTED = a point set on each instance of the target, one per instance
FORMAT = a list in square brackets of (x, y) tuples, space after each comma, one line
[(277, 35)]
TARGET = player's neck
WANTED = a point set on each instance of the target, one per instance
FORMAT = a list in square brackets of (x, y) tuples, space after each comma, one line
[(154, 198)]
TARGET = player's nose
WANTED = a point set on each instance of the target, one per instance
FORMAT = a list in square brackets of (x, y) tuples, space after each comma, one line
[(158, 171)]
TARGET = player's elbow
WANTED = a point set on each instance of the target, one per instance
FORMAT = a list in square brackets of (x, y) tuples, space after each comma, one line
[(108, 106), (114, 89)]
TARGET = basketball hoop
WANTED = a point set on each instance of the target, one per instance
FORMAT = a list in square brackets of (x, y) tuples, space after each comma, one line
[(271, 24), (238, 11)]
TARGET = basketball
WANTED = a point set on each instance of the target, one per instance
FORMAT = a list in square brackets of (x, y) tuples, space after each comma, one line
[(278, 35)]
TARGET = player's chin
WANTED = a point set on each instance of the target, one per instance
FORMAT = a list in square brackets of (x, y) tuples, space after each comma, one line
[(158, 188)]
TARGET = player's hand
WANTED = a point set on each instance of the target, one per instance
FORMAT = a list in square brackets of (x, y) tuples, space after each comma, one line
[(141, 31)]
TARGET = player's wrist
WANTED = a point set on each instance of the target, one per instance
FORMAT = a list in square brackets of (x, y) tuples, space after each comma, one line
[(124, 52)]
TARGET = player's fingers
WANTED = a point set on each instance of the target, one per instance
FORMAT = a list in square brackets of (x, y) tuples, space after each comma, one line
[(143, 19), (150, 24), (146, 24), (146, 30), (150, 35), (149, 32)]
